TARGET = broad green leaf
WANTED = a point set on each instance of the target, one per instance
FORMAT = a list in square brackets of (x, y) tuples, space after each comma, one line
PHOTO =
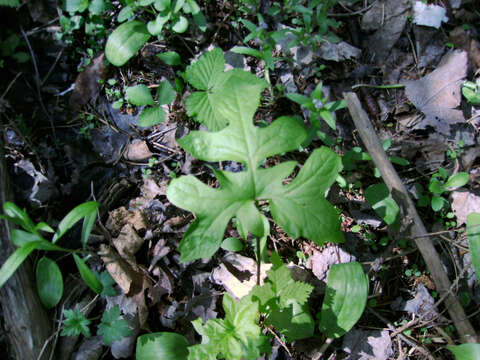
[(49, 282), (75, 323), (15, 260), (170, 58), (299, 207), (162, 345), (200, 21), (97, 7), (379, 198), (201, 73), (112, 326), (436, 187), (151, 116), (125, 41), (294, 321), (79, 212), (236, 337), (465, 351), (180, 25), (165, 93), (193, 7), (145, 2), (139, 95), (87, 275), (345, 299), (473, 234), (457, 180)]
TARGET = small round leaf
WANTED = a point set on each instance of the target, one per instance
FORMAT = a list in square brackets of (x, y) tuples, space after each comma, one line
[(181, 25)]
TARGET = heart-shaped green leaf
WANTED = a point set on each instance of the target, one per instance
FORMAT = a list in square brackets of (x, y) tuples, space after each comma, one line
[(151, 116)]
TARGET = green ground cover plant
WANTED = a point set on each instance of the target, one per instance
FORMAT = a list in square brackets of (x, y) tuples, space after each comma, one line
[(299, 207)]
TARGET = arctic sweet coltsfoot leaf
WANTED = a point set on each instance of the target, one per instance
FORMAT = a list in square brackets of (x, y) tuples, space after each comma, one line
[(300, 207), (236, 337), (207, 75)]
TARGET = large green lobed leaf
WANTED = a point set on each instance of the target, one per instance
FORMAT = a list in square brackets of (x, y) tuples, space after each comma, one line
[(300, 207), (345, 299)]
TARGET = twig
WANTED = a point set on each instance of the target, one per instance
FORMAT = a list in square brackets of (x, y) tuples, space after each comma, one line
[(38, 83), (420, 348), (280, 341), (324, 348), (10, 85), (414, 224)]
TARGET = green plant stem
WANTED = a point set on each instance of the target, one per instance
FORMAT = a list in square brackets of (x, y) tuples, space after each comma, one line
[(267, 78), (259, 260), (393, 86)]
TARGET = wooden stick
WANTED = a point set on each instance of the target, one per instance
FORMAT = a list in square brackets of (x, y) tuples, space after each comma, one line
[(414, 225), (25, 321)]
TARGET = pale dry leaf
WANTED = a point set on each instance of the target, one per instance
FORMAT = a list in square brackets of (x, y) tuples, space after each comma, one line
[(321, 261), (464, 203), (137, 151), (128, 242), (438, 94), (368, 345)]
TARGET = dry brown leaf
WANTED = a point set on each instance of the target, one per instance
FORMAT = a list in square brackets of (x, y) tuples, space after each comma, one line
[(137, 151), (438, 94), (86, 84), (464, 203), (128, 243)]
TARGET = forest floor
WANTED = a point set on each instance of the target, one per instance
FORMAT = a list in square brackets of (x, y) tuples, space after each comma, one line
[(70, 136)]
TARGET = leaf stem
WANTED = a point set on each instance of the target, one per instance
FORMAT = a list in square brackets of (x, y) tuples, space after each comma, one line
[(259, 260)]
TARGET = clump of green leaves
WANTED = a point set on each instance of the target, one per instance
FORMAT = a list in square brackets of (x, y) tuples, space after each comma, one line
[(283, 303), (12, 47), (168, 16), (139, 95), (48, 275), (299, 207), (112, 326)]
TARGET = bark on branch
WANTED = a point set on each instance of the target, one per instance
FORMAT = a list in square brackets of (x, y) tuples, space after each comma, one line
[(416, 229)]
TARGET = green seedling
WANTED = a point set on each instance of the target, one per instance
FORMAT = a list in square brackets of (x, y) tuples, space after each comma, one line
[(441, 183), (48, 275), (283, 303), (153, 114), (112, 327), (319, 108), (169, 16), (300, 207)]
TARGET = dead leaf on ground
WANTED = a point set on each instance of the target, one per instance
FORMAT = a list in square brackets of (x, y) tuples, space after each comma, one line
[(462, 40), (421, 304), (86, 84), (237, 274), (121, 216), (137, 151), (464, 203), (90, 349), (321, 261), (128, 242), (438, 94), (368, 344), (150, 189), (389, 19)]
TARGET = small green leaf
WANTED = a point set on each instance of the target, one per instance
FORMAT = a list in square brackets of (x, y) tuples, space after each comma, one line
[(139, 95), (465, 351), (345, 299), (299, 99), (125, 41), (73, 6), (170, 58), (15, 260), (243, 50), (49, 282), (200, 21), (18, 216), (107, 282), (84, 210), (181, 25), (125, 14), (232, 244), (155, 27), (162, 5), (178, 4), (75, 323), (436, 187), (11, 3), (473, 234), (162, 345), (87, 275), (379, 198), (145, 2), (97, 7), (151, 116), (437, 203), (165, 93), (457, 180), (113, 327)]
